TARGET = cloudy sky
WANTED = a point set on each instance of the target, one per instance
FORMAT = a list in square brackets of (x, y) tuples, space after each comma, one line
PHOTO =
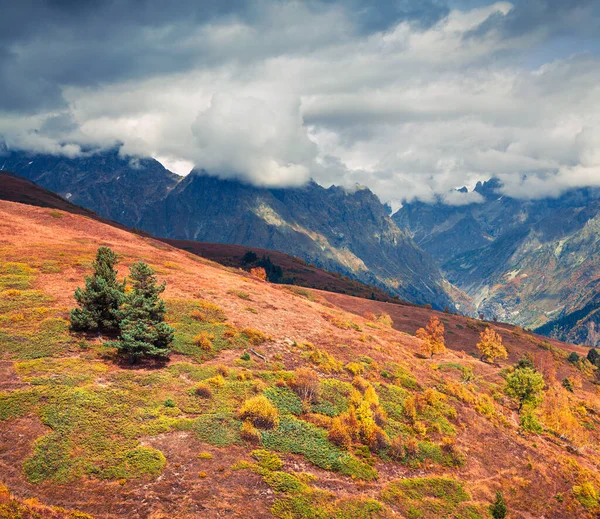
[(410, 97)]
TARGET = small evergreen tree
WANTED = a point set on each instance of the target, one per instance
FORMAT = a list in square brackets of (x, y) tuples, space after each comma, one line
[(594, 357), (433, 337), (498, 508), (143, 330), (99, 302)]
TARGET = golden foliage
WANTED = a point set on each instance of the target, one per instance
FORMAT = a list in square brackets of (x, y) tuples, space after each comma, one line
[(557, 414), (260, 412), (250, 433), (432, 337), (204, 341), (362, 423), (490, 345), (385, 320), (259, 272)]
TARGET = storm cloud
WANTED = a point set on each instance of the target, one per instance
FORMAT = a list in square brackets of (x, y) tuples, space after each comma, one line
[(411, 98)]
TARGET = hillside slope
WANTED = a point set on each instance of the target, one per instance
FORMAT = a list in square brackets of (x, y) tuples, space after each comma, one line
[(83, 431), (349, 233), (294, 271)]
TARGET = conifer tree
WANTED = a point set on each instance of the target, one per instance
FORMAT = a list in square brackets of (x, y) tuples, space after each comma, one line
[(433, 337), (143, 330), (498, 508), (98, 303)]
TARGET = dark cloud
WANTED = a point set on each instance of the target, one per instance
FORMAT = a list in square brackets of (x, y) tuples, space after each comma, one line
[(572, 18), (275, 91), (46, 45)]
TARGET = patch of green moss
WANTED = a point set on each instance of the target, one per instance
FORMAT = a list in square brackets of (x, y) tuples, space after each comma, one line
[(298, 437), (426, 498), (284, 399)]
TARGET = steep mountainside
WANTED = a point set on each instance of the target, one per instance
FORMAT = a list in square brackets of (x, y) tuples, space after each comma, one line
[(116, 187), (527, 262), (340, 231), (348, 233), (362, 425)]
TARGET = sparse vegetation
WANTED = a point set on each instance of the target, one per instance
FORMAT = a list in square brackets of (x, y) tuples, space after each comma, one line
[(357, 404)]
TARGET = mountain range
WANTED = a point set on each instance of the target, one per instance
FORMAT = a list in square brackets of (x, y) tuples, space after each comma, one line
[(529, 262), (348, 232), (535, 263)]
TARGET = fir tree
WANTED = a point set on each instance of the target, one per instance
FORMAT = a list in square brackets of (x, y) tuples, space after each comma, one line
[(99, 302), (498, 508), (143, 330)]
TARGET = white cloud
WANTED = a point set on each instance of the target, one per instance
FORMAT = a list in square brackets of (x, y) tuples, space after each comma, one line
[(411, 112)]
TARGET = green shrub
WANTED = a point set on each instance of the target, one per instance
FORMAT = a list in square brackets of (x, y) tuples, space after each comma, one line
[(299, 437)]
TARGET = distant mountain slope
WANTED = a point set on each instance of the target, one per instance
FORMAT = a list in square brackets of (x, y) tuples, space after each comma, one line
[(340, 231), (580, 325), (349, 233), (523, 261), (116, 187)]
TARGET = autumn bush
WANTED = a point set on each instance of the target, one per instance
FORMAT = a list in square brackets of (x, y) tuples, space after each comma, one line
[(254, 337), (259, 272), (432, 337), (202, 390), (385, 320), (260, 412), (490, 346), (250, 433), (362, 423), (305, 383), (204, 341)]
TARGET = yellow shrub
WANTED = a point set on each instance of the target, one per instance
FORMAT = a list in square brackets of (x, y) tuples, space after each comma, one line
[(355, 368), (254, 337), (217, 381), (204, 341), (385, 320), (260, 412), (250, 433)]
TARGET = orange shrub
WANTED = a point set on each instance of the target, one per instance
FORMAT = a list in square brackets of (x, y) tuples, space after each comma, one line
[(204, 341), (259, 272), (433, 337), (306, 384)]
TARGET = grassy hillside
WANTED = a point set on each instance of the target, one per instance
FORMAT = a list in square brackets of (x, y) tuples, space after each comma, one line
[(293, 271), (382, 432)]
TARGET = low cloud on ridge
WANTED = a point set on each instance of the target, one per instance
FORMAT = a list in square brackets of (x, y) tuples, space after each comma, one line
[(412, 99)]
